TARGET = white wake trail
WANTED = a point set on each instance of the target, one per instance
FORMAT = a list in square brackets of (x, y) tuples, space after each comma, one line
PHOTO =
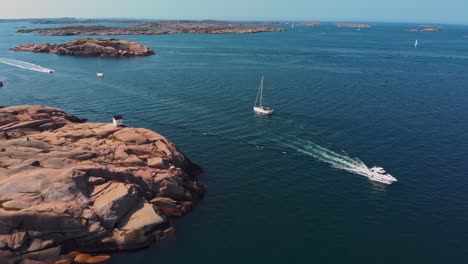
[(25, 65), (340, 161)]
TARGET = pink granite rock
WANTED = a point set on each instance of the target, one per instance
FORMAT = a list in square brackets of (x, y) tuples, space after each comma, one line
[(86, 186)]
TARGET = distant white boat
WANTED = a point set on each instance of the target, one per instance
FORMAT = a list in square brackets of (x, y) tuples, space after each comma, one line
[(416, 44), (100, 73), (260, 108), (25, 65), (292, 25)]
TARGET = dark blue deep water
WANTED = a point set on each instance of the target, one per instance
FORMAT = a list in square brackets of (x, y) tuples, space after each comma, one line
[(274, 196)]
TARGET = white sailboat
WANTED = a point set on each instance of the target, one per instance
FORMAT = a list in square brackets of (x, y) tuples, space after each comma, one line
[(100, 73), (416, 44), (292, 25), (260, 108)]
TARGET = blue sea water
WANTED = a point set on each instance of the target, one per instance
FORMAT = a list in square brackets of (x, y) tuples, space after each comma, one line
[(365, 94)]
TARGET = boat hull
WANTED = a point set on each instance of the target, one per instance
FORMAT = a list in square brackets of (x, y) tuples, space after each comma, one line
[(262, 110), (383, 180)]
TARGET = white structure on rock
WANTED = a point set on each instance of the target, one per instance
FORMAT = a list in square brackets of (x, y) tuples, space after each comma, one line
[(117, 120)]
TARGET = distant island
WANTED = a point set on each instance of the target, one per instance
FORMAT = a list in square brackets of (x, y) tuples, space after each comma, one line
[(172, 24), (74, 21), (164, 23), (353, 25), (106, 47), (309, 24), (425, 28), (161, 27)]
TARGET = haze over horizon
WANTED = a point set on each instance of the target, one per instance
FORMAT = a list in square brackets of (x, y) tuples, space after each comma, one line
[(418, 11)]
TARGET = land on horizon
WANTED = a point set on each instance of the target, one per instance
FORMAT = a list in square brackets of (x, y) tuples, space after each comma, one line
[(85, 20)]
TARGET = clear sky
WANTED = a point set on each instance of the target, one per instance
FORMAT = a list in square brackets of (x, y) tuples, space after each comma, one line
[(435, 11)]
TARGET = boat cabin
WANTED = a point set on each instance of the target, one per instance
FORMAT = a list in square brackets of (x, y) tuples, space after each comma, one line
[(117, 120)]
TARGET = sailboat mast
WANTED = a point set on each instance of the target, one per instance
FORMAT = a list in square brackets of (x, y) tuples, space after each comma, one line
[(261, 91), (258, 94)]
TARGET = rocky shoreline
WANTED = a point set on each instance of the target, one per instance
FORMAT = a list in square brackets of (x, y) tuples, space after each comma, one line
[(68, 186), (147, 29), (106, 47)]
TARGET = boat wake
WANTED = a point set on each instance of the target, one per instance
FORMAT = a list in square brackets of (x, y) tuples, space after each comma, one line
[(341, 161), (25, 65)]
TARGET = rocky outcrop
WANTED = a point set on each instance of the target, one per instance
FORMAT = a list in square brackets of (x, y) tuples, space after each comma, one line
[(67, 185), (309, 24), (425, 28), (91, 47), (239, 30), (149, 29), (353, 25)]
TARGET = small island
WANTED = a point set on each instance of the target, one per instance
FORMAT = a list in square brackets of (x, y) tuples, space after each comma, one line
[(154, 28), (70, 189), (425, 28), (353, 25), (309, 24), (106, 47)]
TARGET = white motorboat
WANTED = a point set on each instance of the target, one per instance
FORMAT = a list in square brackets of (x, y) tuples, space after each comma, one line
[(378, 174)]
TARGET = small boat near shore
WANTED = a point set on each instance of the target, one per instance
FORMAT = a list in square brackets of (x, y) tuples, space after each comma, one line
[(260, 108)]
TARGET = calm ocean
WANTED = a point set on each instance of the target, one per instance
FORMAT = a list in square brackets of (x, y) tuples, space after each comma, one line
[(279, 189)]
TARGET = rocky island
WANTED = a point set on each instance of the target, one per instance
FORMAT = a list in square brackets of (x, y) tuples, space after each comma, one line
[(69, 188), (353, 25), (72, 21), (106, 47), (153, 28), (309, 24), (425, 28)]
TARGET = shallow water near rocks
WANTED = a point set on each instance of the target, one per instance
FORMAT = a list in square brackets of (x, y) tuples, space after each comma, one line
[(365, 94)]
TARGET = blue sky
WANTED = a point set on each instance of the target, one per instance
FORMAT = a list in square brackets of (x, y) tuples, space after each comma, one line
[(434, 11)]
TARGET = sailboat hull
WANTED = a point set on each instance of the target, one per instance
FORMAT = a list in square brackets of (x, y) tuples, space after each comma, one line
[(261, 110)]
